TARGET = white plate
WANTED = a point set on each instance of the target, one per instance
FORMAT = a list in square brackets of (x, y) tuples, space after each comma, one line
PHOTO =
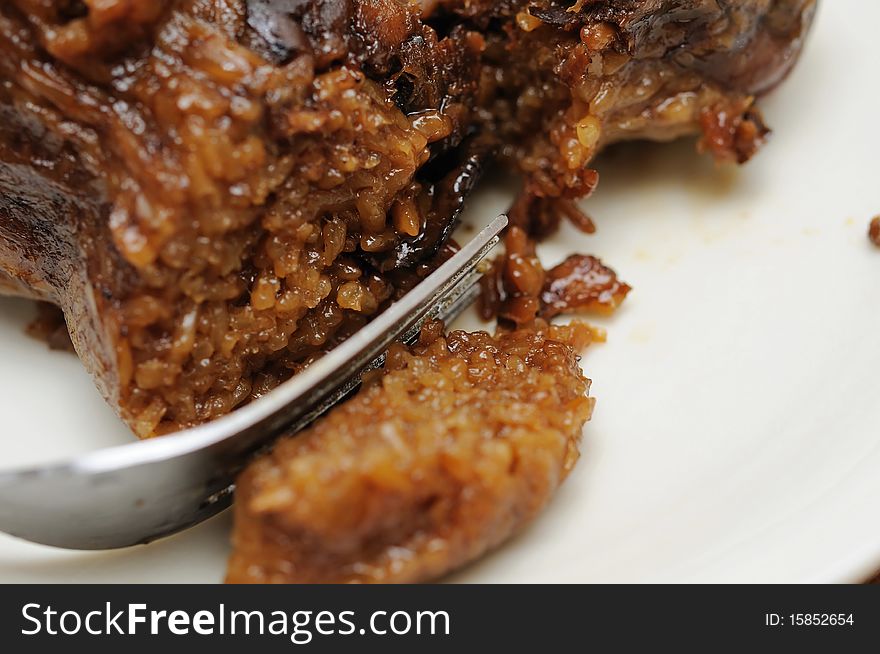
[(737, 435)]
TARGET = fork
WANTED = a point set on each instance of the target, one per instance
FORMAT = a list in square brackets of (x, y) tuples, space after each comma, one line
[(142, 491)]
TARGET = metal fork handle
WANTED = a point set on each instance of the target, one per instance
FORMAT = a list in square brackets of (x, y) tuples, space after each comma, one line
[(142, 491)]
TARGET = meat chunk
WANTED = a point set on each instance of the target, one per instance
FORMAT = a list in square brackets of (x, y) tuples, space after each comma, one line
[(215, 192), (456, 446), (581, 284)]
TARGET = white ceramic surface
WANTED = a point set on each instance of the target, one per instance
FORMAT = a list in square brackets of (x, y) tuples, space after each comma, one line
[(737, 434)]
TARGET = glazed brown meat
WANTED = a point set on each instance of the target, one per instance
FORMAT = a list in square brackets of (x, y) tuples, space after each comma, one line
[(215, 191), (456, 446), (874, 231)]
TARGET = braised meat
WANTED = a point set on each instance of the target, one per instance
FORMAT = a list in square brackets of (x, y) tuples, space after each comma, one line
[(456, 446), (216, 191)]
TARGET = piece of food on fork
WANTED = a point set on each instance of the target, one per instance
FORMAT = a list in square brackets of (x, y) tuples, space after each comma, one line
[(446, 453)]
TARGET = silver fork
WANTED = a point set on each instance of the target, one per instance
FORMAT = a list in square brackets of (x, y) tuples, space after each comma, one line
[(142, 491)]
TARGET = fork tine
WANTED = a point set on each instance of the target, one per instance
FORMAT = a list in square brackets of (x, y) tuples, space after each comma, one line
[(145, 490)]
